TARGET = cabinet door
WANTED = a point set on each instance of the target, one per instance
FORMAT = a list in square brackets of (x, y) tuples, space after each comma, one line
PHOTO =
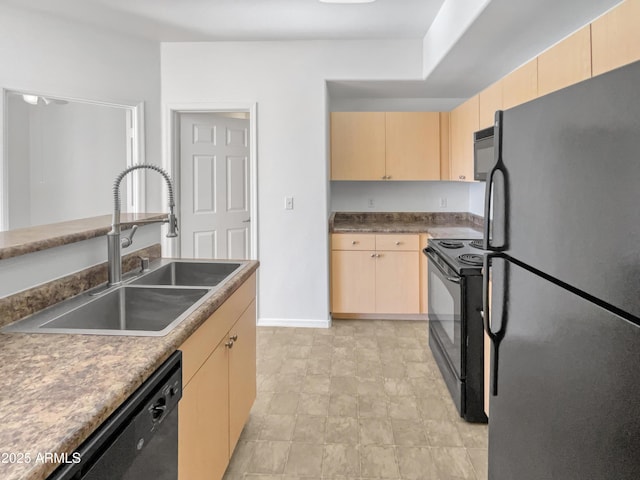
[(353, 284), (397, 278), (615, 39), (357, 146), (413, 145), (464, 122), (445, 145), (242, 373), (521, 85), (565, 63), (203, 428), (490, 100)]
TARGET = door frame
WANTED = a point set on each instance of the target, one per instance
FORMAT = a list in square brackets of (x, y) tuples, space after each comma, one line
[(171, 155)]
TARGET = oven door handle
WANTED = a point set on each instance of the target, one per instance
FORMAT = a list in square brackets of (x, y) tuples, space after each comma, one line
[(428, 252)]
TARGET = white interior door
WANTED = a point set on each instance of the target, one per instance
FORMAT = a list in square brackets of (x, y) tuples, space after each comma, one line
[(214, 186)]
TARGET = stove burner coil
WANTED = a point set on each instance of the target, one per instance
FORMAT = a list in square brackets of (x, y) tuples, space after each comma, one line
[(451, 243), (471, 259), (476, 244)]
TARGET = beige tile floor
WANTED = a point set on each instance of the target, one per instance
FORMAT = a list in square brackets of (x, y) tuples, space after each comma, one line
[(361, 400)]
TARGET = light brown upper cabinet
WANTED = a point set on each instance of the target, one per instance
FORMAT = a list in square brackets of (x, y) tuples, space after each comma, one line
[(615, 39), (413, 145), (357, 145), (521, 85), (385, 146), (445, 145), (490, 101), (464, 122), (566, 63)]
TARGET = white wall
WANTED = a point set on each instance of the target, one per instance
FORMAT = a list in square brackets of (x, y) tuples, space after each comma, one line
[(476, 198), (18, 166), (43, 54), (340, 104), (399, 196), (287, 80)]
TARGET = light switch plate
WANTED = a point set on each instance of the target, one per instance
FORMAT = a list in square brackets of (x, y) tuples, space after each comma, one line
[(288, 203)]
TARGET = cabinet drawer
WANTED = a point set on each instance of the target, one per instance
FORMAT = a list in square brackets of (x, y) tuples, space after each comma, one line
[(353, 241), (397, 242)]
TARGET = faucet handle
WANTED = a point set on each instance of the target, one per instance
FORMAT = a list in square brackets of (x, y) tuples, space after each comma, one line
[(127, 240), (144, 264)]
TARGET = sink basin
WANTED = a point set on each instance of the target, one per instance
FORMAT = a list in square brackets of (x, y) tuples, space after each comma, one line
[(126, 310), (197, 274), (151, 304)]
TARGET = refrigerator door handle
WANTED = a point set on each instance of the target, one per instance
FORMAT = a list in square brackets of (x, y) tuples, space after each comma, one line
[(497, 167), (495, 337)]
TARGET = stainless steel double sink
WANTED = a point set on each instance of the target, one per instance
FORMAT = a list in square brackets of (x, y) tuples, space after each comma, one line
[(149, 304)]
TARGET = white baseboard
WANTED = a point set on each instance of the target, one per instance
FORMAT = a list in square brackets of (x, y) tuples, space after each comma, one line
[(293, 322)]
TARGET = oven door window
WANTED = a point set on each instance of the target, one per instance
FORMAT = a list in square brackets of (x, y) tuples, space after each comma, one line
[(445, 315)]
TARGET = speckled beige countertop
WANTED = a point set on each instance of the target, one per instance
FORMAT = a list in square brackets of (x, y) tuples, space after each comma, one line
[(437, 224), (57, 389), (33, 239)]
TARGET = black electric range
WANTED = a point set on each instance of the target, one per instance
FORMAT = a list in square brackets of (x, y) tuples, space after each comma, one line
[(456, 333)]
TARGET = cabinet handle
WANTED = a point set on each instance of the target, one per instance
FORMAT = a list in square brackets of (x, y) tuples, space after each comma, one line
[(398, 243), (384, 177), (378, 255), (353, 242), (461, 177), (229, 344), (388, 177), (233, 338), (373, 255)]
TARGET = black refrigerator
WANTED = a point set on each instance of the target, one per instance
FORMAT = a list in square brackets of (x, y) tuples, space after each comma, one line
[(562, 284)]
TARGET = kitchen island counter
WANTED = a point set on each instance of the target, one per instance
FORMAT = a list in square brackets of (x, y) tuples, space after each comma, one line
[(57, 389)]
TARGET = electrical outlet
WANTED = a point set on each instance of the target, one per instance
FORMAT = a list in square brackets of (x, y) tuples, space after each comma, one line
[(371, 203), (443, 202), (288, 203)]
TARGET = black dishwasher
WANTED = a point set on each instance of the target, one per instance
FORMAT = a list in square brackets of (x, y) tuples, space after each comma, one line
[(140, 439)]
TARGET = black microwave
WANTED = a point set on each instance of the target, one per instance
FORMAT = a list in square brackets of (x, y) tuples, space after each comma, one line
[(483, 154)]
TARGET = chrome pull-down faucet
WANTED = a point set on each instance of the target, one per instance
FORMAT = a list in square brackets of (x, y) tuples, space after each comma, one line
[(114, 240)]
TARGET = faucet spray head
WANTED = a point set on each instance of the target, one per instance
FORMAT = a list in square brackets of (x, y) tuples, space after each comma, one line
[(173, 224)]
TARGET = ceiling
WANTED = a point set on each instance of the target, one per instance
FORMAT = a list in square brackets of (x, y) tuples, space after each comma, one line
[(210, 20), (504, 35)]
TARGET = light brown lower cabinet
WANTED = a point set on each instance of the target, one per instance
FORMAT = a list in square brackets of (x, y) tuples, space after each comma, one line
[(242, 373), (375, 274), (203, 416), (219, 376)]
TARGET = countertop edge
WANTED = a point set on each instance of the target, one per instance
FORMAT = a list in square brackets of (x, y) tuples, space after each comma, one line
[(22, 241)]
